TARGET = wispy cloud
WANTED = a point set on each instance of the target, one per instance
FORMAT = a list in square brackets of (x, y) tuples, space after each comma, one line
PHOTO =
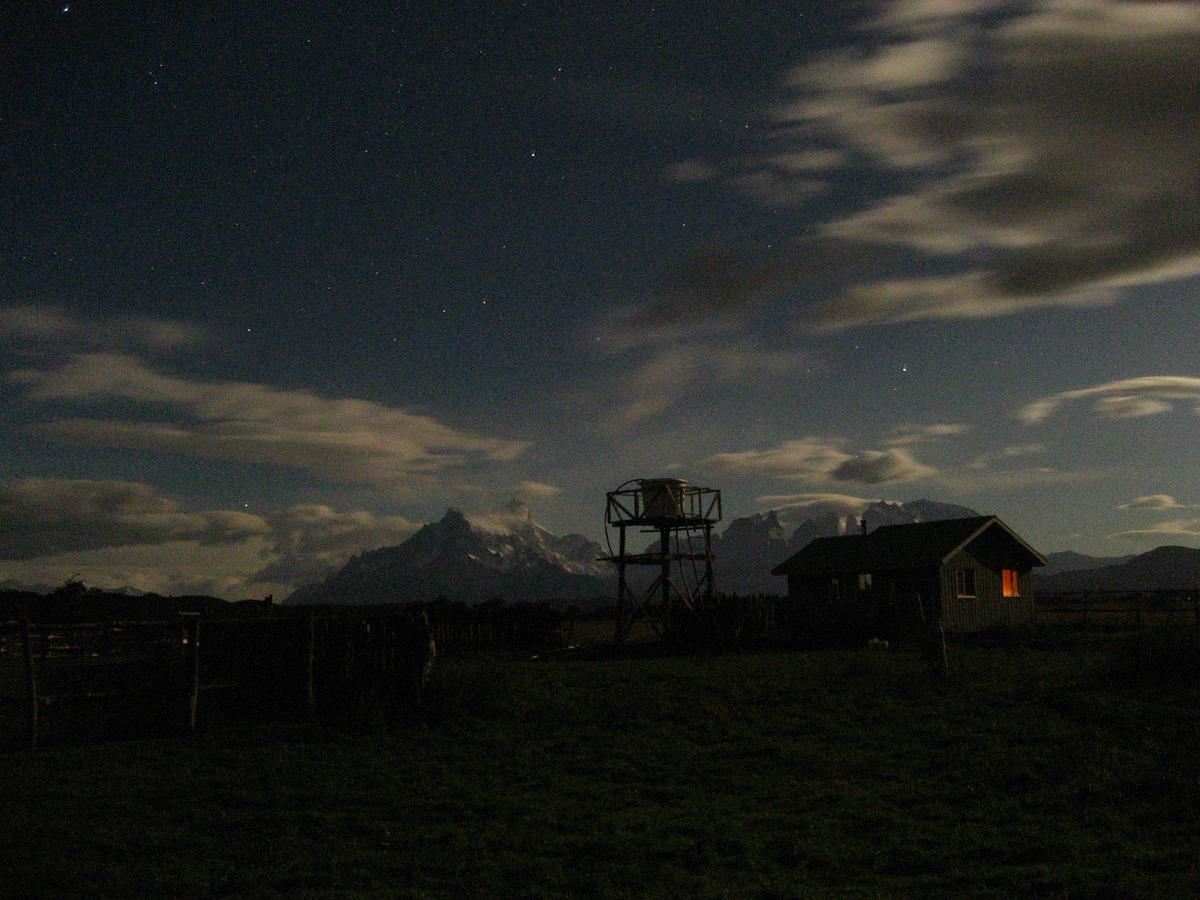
[(908, 435), (1005, 454), (1156, 502), (972, 480), (309, 541), (1125, 399), (657, 376), (1046, 153), (50, 327), (43, 516), (841, 502), (123, 532), (1174, 528), (345, 440), (817, 460), (536, 489)]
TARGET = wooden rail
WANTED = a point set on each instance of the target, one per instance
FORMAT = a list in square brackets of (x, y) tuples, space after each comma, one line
[(306, 662), (1109, 607)]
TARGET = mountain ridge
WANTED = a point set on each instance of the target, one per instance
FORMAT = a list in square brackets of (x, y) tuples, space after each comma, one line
[(1163, 568), (507, 554)]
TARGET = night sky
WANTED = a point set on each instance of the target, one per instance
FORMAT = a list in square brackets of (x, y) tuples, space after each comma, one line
[(282, 281)]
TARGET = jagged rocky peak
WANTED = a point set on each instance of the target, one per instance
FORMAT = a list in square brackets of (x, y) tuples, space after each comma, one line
[(471, 557), (759, 525)]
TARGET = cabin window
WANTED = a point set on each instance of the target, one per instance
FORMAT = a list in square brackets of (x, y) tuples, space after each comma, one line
[(1010, 582), (864, 581), (835, 589), (964, 582)]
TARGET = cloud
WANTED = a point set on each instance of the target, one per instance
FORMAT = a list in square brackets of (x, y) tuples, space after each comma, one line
[(907, 435), (793, 510), (879, 466), (117, 533), (52, 328), (670, 373), (975, 479), (1156, 501), (174, 567), (1004, 454), (311, 540), (1176, 528), (1124, 399), (44, 516), (816, 459), (536, 489), (1043, 154), (839, 502), (343, 440), (815, 159)]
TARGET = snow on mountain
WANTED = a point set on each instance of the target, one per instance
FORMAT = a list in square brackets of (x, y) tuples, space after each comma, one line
[(753, 545), (471, 558)]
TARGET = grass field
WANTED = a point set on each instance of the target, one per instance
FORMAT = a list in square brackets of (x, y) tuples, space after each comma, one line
[(1055, 769)]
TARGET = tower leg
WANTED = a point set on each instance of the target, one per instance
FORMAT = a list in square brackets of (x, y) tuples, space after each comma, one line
[(709, 587), (664, 543), (622, 612)]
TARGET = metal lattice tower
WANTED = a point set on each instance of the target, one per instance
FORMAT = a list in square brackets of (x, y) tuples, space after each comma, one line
[(682, 516)]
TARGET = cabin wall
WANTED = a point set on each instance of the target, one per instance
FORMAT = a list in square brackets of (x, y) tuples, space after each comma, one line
[(898, 603), (988, 608)]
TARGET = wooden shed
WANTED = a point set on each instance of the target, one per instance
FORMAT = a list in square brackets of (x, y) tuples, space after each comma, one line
[(971, 573)]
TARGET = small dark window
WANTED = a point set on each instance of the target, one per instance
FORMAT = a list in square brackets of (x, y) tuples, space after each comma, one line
[(835, 589), (864, 581), (964, 582)]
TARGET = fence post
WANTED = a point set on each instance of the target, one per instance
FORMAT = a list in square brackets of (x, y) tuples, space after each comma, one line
[(944, 664), (31, 692), (192, 629), (310, 696)]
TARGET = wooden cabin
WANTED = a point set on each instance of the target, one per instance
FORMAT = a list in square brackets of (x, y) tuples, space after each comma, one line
[(971, 573)]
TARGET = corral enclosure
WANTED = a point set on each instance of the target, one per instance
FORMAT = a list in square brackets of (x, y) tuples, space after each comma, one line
[(79, 680)]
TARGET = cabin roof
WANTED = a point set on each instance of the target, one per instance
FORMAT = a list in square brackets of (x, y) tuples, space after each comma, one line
[(916, 545)]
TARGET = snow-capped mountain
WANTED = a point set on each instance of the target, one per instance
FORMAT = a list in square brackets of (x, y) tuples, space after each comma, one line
[(753, 545), (471, 558)]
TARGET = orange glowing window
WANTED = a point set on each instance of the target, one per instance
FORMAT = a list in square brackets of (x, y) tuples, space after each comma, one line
[(1011, 582)]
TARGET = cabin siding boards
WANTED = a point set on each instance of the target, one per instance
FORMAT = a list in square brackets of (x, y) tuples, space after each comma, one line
[(989, 608), (915, 578)]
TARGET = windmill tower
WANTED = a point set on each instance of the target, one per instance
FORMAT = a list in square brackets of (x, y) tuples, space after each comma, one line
[(682, 517)]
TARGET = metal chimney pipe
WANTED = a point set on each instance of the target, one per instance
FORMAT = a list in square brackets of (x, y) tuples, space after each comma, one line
[(862, 523)]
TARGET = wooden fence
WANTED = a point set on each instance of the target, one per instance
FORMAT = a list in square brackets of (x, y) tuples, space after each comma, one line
[(182, 673), (1118, 609)]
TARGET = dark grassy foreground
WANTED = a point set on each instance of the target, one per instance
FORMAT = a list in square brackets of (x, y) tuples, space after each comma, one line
[(1053, 770)]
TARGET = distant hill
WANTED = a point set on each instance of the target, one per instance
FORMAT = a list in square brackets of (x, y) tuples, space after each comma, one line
[(11, 584), (75, 603), (1163, 568), (1070, 561)]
